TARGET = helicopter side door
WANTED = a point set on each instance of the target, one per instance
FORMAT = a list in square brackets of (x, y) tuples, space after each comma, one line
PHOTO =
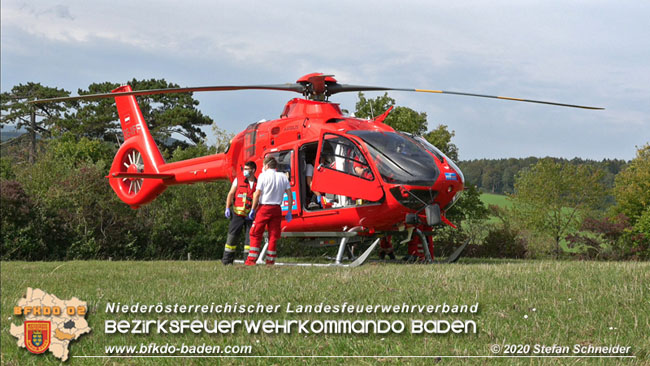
[(342, 169), (286, 165)]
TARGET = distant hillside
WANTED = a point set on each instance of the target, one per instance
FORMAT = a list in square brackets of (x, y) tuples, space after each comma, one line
[(9, 133), (498, 175)]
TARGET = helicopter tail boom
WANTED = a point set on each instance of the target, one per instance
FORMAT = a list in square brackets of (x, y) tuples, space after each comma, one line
[(139, 172)]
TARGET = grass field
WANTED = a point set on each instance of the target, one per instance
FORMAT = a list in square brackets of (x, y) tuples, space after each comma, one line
[(520, 302), (495, 199)]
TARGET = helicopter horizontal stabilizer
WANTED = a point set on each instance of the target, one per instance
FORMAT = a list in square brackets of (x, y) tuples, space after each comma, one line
[(141, 175)]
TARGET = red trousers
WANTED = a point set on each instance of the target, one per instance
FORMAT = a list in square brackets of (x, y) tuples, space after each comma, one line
[(415, 247), (267, 216), (385, 244)]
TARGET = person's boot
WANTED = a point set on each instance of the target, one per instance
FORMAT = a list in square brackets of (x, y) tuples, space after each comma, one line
[(228, 258), (250, 261), (391, 255)]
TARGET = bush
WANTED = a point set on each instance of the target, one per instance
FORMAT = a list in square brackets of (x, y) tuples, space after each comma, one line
[(609, 238), (21, 237), (6, 169), (503, 242)]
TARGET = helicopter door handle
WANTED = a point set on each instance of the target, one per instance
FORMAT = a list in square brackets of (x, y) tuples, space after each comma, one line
[(319, 167)]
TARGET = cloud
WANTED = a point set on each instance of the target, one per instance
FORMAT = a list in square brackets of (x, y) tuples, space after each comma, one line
[(594, 53), (60, 11)]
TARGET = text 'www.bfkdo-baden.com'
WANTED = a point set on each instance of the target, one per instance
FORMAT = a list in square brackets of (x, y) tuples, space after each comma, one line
[(177, 349)]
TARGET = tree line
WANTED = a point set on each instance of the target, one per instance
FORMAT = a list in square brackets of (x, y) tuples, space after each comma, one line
[(498, 175)]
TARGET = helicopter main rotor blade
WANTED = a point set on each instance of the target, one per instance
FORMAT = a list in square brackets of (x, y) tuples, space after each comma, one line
[(298, 88), (342, 88), (305, 88)]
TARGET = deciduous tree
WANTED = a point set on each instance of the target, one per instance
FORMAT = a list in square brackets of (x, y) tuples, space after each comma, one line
[(552, 198), (632, 186)]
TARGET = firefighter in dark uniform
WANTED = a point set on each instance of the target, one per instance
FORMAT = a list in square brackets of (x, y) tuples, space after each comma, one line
[(241, 191)]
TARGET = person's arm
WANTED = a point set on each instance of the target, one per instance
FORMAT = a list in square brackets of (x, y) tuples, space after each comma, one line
[(231, 195), (261, 186), (289, 195), (290, 198), (288, 216), (309, 174), (256, 199)]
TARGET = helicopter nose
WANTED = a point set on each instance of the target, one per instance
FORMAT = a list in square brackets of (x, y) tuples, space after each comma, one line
[(454, 187)]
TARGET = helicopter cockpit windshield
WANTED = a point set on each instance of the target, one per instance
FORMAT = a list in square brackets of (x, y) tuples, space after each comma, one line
[(399, 159), (439, 154)]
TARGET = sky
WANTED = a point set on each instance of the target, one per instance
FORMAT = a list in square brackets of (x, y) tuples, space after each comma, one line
[(594, 53)]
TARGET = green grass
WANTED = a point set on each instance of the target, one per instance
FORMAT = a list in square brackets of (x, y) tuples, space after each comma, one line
[(495, 199), (574, 302)]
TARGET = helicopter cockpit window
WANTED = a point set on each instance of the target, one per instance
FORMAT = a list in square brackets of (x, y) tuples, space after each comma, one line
[(439, 154), (341, 154), (399, 159), (249, 141), (426, 145), (284, 159)]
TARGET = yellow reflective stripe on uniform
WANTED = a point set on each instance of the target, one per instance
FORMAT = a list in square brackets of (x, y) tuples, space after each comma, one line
[(231, 247), (241, 210), (247, 248)]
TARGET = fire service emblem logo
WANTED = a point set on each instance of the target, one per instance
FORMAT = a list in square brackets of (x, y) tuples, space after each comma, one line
[(37, 335)]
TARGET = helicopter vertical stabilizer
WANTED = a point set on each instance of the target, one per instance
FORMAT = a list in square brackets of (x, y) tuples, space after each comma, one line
[(134, 174)]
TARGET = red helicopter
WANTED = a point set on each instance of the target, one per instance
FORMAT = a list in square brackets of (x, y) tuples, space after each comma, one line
[(375, 180)]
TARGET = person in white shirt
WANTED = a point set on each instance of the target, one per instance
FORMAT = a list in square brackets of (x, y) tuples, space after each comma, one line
[(267, 210)]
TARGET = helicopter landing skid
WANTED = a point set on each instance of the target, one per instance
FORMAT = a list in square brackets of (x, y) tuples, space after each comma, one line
[(453, 258), (357, 262)]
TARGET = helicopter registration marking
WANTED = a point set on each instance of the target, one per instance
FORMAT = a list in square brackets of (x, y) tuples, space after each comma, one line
[(131, 131)]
